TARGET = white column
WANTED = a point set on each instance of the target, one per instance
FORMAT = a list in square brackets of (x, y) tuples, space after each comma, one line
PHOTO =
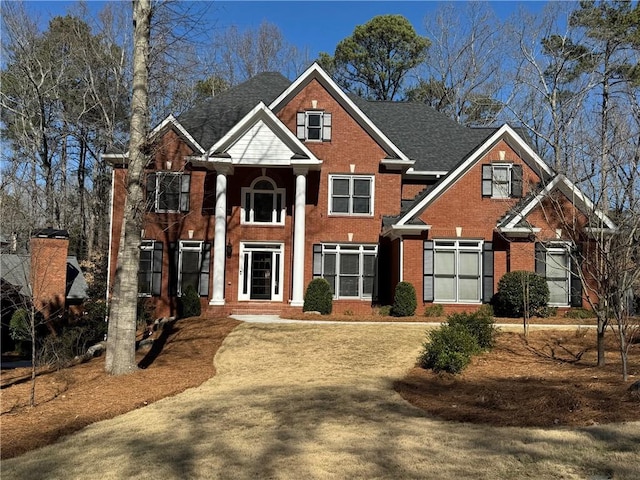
[(220, 236), (297, 297)]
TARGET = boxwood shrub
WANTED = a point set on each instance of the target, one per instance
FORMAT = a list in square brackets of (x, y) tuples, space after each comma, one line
[(449, 348), (404, 302), (478, 324), (190, 303), (509, 301), (318, 297)]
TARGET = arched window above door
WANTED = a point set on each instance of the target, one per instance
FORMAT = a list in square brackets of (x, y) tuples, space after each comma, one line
[(263, 203)]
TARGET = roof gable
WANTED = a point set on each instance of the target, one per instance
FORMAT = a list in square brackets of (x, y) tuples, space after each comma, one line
[(260, 138), (315, 72)]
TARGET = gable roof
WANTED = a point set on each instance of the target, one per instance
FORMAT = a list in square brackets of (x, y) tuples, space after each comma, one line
[(211, 119), (505, 133), (315, 72)]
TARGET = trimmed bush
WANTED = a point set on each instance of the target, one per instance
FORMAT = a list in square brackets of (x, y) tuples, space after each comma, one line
[(580, 313), (384, 311), (20, 331), (404, 301), (478, 324), (449, 349), (318, 297), (435, 310), (190, 303), (509, 301)]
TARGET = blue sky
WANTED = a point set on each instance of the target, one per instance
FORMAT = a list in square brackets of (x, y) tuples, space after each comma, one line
[(318, 25)]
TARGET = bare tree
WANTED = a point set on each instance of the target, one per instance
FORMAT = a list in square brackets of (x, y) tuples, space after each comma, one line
[(120, 357)]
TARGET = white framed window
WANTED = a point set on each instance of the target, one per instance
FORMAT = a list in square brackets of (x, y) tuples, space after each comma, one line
[(150, 268), (263, 203), (349, 269), (558, 275), (261, 272), (457, 271), (501, 180), (351, 195), (314, 126), (190, 262), (168, 191)]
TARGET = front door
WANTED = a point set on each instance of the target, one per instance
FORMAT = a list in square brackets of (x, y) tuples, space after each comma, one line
[(261, 275), (261, 267)]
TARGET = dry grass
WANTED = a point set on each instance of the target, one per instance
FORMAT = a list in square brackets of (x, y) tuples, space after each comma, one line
[(317, 401)]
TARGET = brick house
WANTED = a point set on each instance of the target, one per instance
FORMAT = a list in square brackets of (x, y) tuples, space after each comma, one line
[(253, 193)]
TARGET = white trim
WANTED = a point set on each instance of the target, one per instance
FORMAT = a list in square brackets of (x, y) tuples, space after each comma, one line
[(398, 231), (252, 190), (351, 178), (401, 255), (317, 73), (261, 112), (478, 248), (247, 248), (519, 231), (426, 173), (504, 131), (171, 120)]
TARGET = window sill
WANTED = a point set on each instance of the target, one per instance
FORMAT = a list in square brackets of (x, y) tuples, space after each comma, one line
[(351, 215), (269, 225)]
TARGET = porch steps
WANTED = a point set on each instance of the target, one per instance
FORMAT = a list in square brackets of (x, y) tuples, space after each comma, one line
[(254, 309)]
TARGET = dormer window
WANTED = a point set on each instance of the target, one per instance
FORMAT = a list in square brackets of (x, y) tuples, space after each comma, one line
[(502, 180), (314, 126)]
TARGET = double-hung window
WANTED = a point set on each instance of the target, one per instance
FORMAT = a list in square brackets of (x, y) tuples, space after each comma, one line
[(314, 126), (263, 203), (349, 269), (193, 266), (351, 195), (168, 191), (150, 268), (501, 180), (553, 261), (457, 271)]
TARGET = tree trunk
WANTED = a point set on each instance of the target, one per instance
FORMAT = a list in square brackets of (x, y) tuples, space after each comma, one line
[(120, 357)]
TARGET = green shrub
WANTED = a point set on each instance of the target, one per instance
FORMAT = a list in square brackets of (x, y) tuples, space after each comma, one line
[(384, 311), (509, 301), (20, 331), (449, 349), (404, 301), (190, 303), (547, 312), (478, 324), (435, 310), (580, 313), (318, 297)]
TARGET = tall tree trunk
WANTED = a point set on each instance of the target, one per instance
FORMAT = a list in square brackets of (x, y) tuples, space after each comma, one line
[(120, 358)]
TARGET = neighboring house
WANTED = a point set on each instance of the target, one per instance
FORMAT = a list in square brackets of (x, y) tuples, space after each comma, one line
[(255, 192), (45, 276)]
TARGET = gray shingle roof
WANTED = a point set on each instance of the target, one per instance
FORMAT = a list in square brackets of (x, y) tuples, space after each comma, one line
[(209, 121), (430, 138)]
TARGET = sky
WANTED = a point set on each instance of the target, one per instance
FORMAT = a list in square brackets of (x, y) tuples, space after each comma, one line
[(317, 25)]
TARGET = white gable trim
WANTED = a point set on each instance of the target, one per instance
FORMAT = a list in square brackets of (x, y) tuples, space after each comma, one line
[(316, 72), (505, 132), (570, 190), (261, 112), (172, 121)]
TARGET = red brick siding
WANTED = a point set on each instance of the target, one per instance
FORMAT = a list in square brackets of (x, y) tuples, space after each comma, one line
[(49, 274)]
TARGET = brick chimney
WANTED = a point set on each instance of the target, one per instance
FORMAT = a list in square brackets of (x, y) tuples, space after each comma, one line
[(49, 248)]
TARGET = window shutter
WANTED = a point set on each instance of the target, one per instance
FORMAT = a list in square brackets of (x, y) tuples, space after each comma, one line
[(374, 294), (173, 269), (576, 282), (427, 283), (487, 272), (541, 264), (157, 269), (300, 125), (487, 180), (151, 191), (326, 127), (317, 260), (185, 183), (205, 268), (516, 181)]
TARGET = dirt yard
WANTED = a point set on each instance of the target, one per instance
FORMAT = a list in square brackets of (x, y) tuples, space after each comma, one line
[(546, 380)]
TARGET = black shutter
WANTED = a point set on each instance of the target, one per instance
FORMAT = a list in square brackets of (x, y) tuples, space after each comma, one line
[(576, 277), (487, 180), (185, 183), (487, 272), (541, 261), (301, 125), (317, 260), (151, 191), (173, 269), (516, 181), (156, 283), (326, 127), (427, 272), (205, 268)]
